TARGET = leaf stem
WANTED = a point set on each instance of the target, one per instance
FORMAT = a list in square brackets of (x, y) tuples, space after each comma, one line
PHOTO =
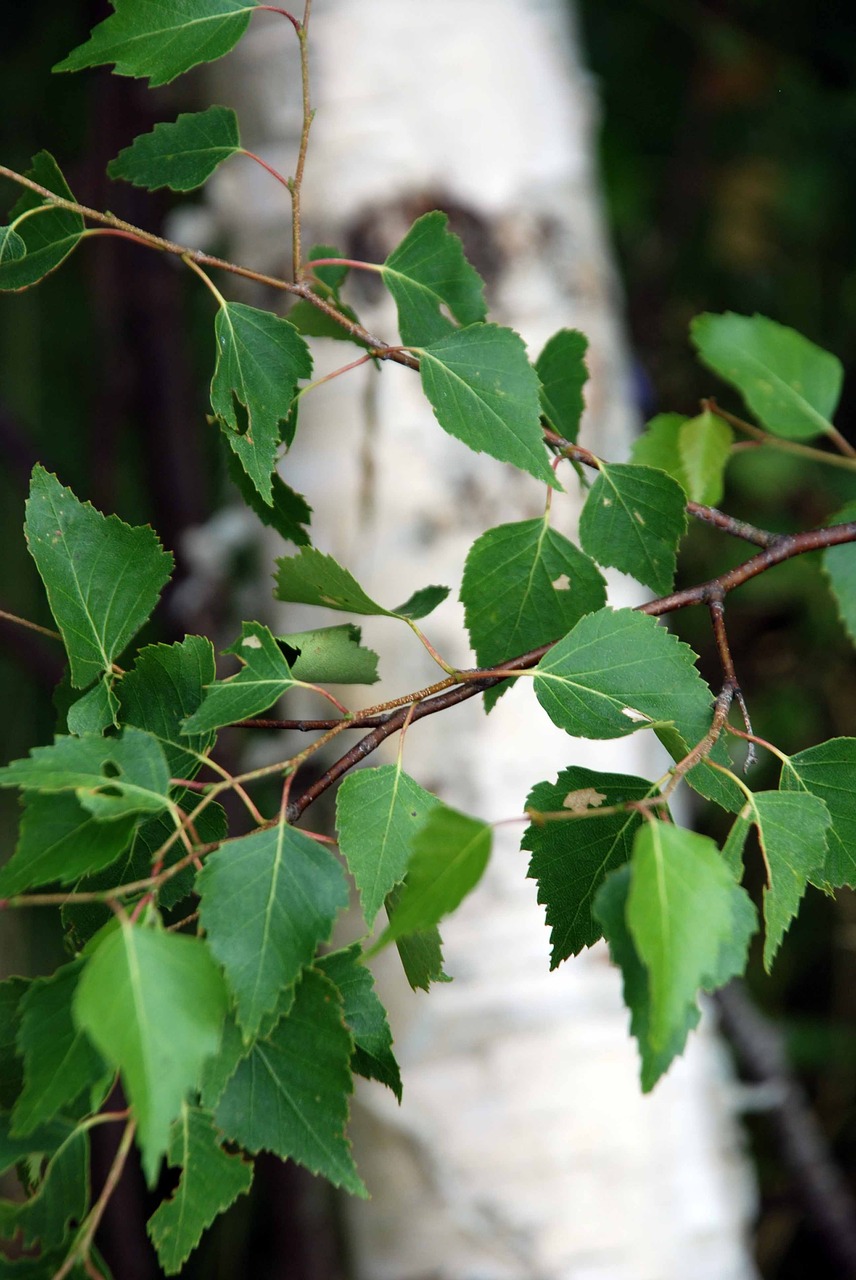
[(31, 626), (203, 275), (275, 173), (778, 442), (84, 1240)]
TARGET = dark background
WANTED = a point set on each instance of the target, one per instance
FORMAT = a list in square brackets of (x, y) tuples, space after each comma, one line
[(728, 155)]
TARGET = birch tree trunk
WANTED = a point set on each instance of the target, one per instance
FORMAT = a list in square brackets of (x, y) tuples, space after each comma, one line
[(524, 1149)]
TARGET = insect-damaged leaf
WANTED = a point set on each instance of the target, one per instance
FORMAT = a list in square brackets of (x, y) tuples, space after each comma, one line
[(260, 358), (633, 520)]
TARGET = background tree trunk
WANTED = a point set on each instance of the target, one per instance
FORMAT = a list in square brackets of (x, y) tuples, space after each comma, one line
[(524, 1149)]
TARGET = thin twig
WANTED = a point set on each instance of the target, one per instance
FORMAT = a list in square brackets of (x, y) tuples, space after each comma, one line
[(84, 1241)]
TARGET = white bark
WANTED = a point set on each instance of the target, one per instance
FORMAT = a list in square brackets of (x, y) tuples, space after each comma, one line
[(524, 1149)]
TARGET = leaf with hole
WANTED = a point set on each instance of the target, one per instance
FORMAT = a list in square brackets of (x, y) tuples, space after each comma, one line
[(524, 585), (260, 359), (264, 676), (211, 1180), (182, 154), (572, 855)]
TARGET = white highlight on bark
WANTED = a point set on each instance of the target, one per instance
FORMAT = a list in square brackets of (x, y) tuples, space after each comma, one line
[(524, 1149)]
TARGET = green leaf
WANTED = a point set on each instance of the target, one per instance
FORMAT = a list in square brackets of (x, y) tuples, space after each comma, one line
[(658, 446), (59, 1061), (111, 777), (524, 585), (450, 853), (484, 391), (311, 577), (82, 920), (618, 671), (12, 247), (12, 992), (210, 1181), (45, 1141), (428, 272), (314, 322), (263, 678), (562, 372), (365, 1015), (378, 813), (290, 1094), (792, 831), (166, 686), (421, 954), (792, 386), (633, 520), (48, 238), (181, 155), (331, 655), (571, 858), (60, 841), (704, 445), (153, 1003), (260, 358), (103, 577), (839, 565), (690, 922), (162, 39), (96, 710), (60, 1200), (610, 908), (290, 890), (828, 772), (289, 514)]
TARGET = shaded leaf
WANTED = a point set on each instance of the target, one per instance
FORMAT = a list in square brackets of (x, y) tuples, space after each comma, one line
[(153, 1003), (59, 1061), (180, 155), (792, 829), (633, 519), (524, 585), (47, 238), (166, 686), (260, 358), (12, 247), (610, 908), (210, 1181), (289, 512), (378, 813), (450, 854), (60, 841), (562, 372), (111, 777), (60, 1200), (162, 38), (689, 920), (421, 954), (484, 391), (428, 276), (45, 1141), (331, 655), (96, 710), (365, 1015), (290, 889), (839, 565), (264, 676), (791, 385), (103, 578), (311, 577), (828, 772), (704, 444), (11, 1065), (290, 1093), (571, 858)]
